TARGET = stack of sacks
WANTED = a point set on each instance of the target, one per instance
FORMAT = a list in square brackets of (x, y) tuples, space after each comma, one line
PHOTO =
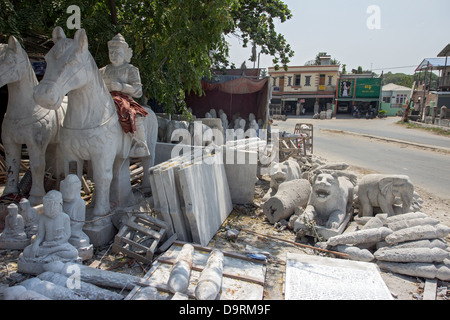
[(411, 244)]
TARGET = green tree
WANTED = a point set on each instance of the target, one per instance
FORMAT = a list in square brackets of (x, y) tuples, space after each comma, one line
[(176, 43)]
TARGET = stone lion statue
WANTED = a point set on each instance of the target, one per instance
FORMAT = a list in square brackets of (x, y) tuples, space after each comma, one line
[(330, 202)]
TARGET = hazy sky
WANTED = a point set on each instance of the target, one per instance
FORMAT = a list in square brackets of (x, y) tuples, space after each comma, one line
[(403, 34)]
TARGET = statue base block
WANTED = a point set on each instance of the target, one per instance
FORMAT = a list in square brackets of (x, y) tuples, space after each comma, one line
[(100, 234), (14, 244)]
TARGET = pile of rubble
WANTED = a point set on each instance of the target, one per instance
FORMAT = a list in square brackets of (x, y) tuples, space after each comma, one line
[(412, 244), (318, 200)]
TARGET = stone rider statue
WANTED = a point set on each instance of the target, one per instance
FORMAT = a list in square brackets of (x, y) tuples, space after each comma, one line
[(124, 83)]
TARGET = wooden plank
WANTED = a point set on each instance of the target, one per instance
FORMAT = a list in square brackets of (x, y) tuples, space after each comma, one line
[(144, 230), (226, 253), (133, 243), (129, 253), (86, 188)]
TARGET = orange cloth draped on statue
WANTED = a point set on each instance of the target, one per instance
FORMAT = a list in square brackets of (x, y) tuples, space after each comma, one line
[(127, 109)]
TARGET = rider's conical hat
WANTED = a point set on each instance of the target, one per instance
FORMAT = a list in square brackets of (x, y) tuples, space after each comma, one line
[(118, 40)]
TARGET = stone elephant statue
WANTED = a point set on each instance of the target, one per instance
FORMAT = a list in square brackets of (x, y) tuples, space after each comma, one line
[(381, 190)]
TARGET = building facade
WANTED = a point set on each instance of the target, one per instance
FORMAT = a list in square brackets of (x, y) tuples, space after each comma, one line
[(358, 92), (395, 98), (304, 89)]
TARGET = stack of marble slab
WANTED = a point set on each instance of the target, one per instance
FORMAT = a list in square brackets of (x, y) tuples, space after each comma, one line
[(191, 194)]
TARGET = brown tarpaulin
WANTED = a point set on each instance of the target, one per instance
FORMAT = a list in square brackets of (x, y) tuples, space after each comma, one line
[(242, 95)]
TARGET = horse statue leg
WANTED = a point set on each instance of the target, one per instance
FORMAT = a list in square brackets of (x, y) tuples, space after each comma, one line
[(13, 152), (37, 168), (102, 167)]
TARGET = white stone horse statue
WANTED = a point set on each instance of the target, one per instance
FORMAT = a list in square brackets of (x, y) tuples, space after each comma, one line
[(91, 130), (26, 122)]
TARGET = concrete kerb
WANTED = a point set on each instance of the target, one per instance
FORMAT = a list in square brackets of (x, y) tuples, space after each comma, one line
[(419, 145)]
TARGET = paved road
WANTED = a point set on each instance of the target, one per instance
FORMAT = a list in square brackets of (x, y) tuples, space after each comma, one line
[(428, 169)]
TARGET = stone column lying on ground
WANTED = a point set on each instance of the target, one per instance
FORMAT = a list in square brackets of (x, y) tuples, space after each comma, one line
[(418, 233), (427, 243), (290, 194), (88, 290), (102, 278), (19, 292), (421, 270), (355, 253), (406, 216), (411, 255), (377, 221), (210, 280), (360, 237), (181, 269), (51, 290), (403, 224)]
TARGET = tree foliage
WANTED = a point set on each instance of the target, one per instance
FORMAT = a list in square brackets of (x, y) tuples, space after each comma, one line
[(175, 42), (407, 80)]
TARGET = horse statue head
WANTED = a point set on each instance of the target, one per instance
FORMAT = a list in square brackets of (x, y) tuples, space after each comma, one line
[(14, 62), (68, 68)]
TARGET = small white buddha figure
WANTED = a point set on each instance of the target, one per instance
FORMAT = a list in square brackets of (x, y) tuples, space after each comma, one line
[(30, 216), (75, 207), (52, 238), (13, 235)]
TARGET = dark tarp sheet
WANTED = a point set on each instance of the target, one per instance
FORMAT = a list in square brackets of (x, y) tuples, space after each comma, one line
[(240, 97)]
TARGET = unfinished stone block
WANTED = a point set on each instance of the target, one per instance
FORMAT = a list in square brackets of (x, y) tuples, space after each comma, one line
[(290, 194), (19, 292), (427, 243), (181, 270), (51, 290), (418, 233), (102, 278), (376, 222), (355, 253), (403, 224), (210, 280), (411, 254), (87, 290), (406, 216), (422, 270), (360, 237)]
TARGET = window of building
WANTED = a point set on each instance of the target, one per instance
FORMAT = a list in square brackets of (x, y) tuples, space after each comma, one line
[(387, 99), (289, 81), (400, 99), (297, 79), (330, 80), (322, 80), (308, 81)]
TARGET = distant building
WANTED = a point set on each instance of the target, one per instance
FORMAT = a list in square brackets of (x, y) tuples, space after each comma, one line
[(358, 91), (304, 89), (430, 96), (395, 98)]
